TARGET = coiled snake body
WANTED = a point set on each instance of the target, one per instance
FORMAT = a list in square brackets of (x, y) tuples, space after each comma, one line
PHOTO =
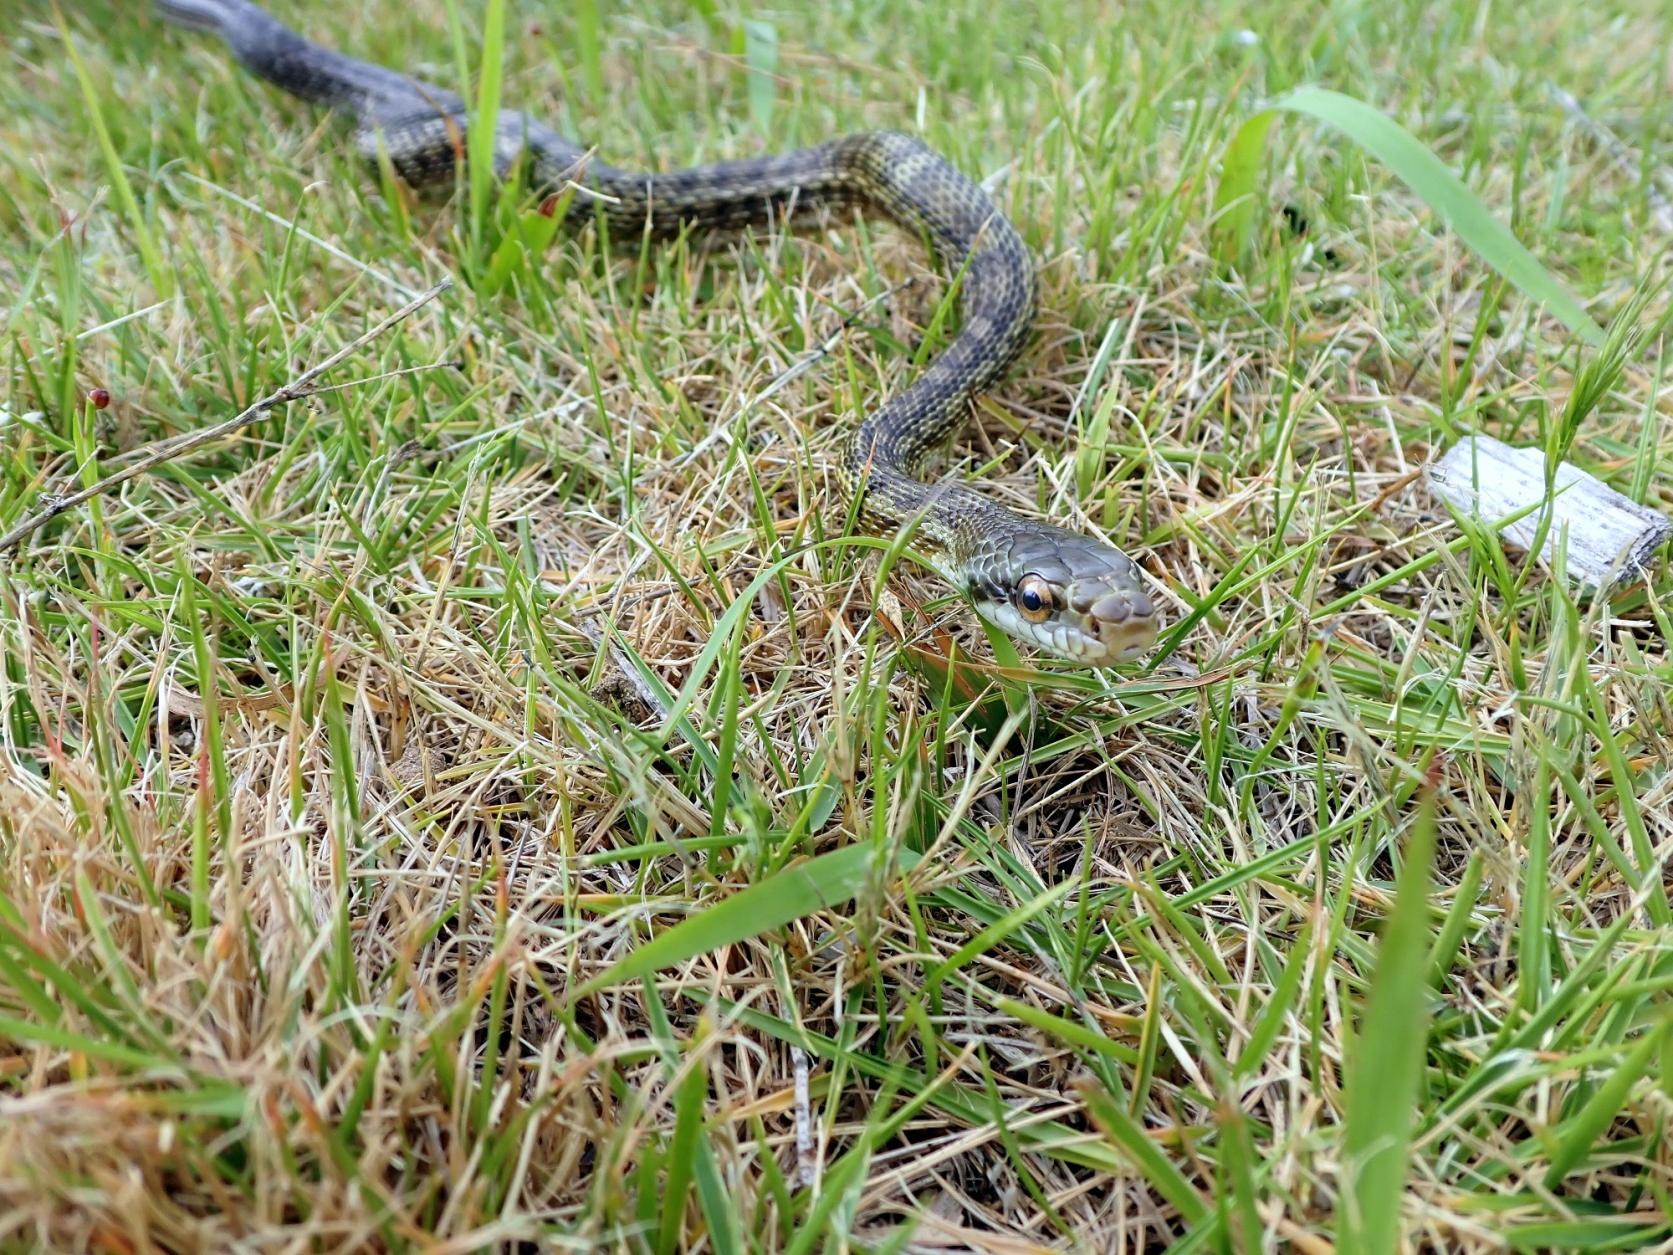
[(1062, 591)]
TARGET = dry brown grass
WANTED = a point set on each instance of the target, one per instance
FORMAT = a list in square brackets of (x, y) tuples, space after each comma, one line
[(332, 761)]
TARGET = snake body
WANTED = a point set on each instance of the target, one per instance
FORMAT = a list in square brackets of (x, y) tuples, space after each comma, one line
[(1065, 592)]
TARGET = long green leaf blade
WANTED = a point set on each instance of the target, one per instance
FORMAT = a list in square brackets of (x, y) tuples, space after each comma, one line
[(1591, 1121), (790, 894), (1157, 1168), (485, 120), (1415, 166), (1383, 1078)]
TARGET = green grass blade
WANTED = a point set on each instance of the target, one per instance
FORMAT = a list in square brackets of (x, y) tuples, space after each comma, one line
[(485, 120), (589, 47), (761, 59), (995, 933), (1383, 1079), (520, 249), (682, 1153), (1278, 1004), (1235, 204), (1595, 1235), (162, 278), (839, 1183), (1126, 1133), (720, 1207), (1649, 866), (19, 1031), (1067, 1031), (798, 890), (1457, 921), (1534, 965), (1235, 199), (1592, 1120)]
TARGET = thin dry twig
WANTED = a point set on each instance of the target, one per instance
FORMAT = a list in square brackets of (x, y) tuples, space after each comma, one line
[(167, 450), (450, 364), (792, 372)]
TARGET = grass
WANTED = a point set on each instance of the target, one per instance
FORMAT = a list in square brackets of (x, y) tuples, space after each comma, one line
[(498, 798)]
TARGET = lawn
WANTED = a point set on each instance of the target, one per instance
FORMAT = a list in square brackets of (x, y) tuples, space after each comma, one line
[(495, 800)]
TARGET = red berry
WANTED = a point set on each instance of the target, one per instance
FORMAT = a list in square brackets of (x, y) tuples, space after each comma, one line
[(100, 397)]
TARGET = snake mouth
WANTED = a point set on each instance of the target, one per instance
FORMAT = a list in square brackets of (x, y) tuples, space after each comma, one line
[(1123, 642)]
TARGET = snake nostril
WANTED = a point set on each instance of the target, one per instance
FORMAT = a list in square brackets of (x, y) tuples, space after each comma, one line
[(1112, 608)]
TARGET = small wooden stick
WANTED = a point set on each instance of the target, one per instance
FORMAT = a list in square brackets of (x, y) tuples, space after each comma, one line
[(1610, 537), (167, 450)]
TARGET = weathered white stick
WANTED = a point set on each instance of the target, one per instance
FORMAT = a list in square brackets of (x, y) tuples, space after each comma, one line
[(1610, 537)]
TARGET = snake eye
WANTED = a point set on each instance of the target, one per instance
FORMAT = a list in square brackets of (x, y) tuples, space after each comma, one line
[(1034, 598)]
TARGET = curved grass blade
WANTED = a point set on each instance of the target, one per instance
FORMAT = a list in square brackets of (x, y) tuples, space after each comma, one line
[(790, 894), (1157, 1168), (1236, 206), (485, 120), (1593, 1120)]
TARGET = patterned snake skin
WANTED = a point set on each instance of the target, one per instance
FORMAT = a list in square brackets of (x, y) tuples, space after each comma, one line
[(1064, 592)]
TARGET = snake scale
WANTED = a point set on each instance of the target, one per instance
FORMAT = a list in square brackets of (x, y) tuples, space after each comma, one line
[(1062, 591)]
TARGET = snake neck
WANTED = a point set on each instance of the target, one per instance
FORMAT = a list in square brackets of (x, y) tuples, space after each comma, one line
[(900, 177), (947, 522), (886, 456)]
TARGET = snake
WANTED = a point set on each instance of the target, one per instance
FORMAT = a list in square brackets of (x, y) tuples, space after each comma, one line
[(1067, 593)]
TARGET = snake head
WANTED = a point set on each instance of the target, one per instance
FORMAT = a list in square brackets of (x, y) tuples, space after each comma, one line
[(1065, 593)]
